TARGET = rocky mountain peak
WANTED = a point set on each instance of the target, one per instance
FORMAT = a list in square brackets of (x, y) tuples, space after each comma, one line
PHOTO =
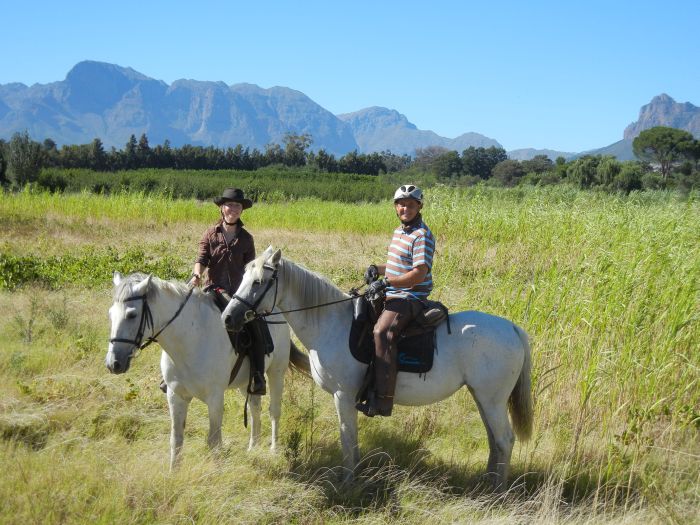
[(665, 111)]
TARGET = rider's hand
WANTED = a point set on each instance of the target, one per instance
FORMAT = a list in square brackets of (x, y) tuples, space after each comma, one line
[(371, 274), (196, 279), (377, 289)]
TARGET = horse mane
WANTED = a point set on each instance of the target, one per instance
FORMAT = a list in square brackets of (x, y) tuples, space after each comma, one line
[(313, 287), (177, 288)]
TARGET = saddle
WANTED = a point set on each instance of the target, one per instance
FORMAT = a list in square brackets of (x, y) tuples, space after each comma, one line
[(416, 345)]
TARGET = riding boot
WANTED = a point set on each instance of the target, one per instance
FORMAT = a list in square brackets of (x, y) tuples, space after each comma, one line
[(385, 385), (257, 364)]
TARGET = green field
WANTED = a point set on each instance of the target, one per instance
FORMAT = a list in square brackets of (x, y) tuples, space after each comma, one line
[(608, 287)]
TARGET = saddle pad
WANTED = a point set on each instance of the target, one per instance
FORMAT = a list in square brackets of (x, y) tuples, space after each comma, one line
[(415, 352)]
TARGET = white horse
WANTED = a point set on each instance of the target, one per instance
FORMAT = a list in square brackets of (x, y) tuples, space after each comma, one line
[(197, 357), (487, 354)]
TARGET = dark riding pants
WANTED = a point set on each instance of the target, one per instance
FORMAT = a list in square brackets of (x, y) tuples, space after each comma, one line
[(397, 314)]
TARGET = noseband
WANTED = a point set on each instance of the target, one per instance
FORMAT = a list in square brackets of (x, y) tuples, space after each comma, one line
[(147, 322), (253, 312)]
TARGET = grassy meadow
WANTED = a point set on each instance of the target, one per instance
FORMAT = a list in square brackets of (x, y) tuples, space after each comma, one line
[(607, 286)]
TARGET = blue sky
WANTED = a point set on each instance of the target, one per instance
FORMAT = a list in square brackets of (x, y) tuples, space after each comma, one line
[(568, 76)]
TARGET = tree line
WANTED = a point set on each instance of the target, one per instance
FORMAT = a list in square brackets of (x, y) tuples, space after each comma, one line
[(22, 158), (668, 158)]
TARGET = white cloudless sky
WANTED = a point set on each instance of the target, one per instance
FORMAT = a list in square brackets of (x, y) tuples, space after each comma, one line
[(568, 76)]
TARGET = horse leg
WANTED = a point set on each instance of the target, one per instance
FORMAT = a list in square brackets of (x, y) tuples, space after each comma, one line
[(254, 404), (347, 416), (494, 414), (178, 414), (275, 380), (215, 403)]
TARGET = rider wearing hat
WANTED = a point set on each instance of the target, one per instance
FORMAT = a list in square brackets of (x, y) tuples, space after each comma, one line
[(406, 283), (224, 250)]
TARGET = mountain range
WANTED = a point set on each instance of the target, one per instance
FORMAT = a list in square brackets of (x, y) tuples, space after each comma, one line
[(111, 102)]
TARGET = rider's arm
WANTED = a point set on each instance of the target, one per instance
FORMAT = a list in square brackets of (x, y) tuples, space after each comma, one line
[(197, 273), (407, 280)]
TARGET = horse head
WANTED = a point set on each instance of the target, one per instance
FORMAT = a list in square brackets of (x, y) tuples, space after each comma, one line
[(129, 316), (252, 297)]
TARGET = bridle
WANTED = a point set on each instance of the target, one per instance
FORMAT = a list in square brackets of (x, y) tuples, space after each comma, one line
[(253, 313), (147, 322)]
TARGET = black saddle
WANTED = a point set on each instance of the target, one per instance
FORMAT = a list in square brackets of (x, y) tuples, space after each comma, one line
[(416, 345)]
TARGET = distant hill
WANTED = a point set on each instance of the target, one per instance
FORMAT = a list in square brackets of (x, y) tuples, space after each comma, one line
[(112, 102), (530, 153), (661, 111), (622, 150), (380, 129)]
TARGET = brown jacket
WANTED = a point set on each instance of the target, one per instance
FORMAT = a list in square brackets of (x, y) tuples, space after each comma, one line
[(226, 262)]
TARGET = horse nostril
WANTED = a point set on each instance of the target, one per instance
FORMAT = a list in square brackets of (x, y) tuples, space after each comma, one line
[(227, 320), (116, 367)]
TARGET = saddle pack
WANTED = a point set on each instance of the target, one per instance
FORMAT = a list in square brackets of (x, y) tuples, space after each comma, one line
[(416, 345)]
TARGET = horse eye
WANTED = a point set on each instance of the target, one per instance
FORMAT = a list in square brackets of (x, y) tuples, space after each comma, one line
[(130, 314)]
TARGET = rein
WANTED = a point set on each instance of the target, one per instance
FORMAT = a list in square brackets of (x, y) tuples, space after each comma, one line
[(253, 307), (147, 322)]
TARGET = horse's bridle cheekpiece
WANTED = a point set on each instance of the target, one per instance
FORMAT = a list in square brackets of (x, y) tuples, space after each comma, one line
[(147, 322), (253, 312)]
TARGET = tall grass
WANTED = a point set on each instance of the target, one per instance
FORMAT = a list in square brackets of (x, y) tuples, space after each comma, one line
[(606, 286)]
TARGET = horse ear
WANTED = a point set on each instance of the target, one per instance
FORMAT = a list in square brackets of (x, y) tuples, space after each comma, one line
[(142, 287), (276, 257), (116, 278), (268, 251)]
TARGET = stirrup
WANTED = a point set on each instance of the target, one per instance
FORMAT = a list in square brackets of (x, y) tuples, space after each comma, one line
[(257, 385)]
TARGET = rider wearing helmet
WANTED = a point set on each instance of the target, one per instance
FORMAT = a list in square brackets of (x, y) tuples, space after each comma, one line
[(406, 283)]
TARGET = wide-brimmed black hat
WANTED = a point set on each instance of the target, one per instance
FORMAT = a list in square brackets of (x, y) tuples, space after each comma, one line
[(233, 195)]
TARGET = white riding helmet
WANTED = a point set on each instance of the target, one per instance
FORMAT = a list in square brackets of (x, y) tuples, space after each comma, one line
[(409, 191)]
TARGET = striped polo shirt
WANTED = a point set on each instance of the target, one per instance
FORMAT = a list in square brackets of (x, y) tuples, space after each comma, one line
[(412, 245)]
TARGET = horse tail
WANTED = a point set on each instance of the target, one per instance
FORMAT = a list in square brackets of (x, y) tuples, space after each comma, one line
[(520, 401), (298, 360)]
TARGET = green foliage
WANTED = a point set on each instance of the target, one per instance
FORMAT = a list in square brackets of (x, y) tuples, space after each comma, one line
[(271, 184), (507, 173), (665, 146), (91, 268), (478, 162), (24, 159), (583, 171)]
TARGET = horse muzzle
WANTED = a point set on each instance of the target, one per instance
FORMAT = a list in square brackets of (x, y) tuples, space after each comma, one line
[(116, 363), (235, 325)]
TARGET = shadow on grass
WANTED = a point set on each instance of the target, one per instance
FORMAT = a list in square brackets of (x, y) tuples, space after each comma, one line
[(393, 464)]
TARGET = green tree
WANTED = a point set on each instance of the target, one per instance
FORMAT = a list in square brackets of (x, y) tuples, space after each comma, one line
[(607, 170), (663, 146), (478, 162), (295, 147), (143, 152), (507, 172), (98, 158), (448, 165), (583, 171), (130, 152), (538, 164), (24, 159), (629, 177), (3, 163), (425, 157)]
